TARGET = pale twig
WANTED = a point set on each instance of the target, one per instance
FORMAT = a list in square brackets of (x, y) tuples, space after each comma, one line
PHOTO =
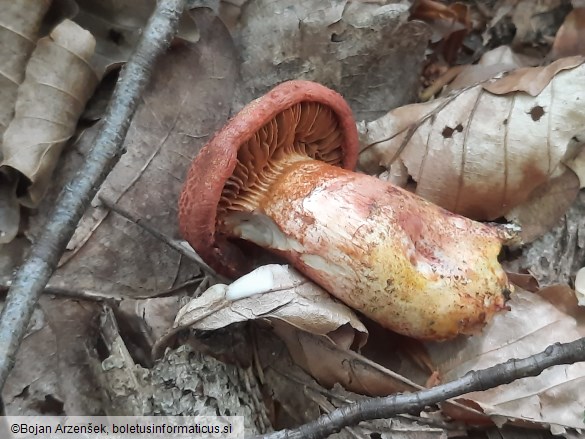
[(33, 275), (473, 381)]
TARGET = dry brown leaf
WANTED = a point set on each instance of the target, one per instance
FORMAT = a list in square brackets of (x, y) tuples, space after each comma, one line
[(577, 163), (57, 84), (570, 39), (187, 101), (546, 205), (533, 80), (149, 319), (52, 373), (535, 321), (478, 153), (330, 364), (450, 24), (20, 22), (499, 60), (535, 23), (9, 209), (117, 26), (274, 292), (559, 254), (367, 51), (524, 280)]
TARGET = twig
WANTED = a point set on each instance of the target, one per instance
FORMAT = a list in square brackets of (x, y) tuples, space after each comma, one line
[(474, 381), (92, 296), (98, 296), (185, 250), (75, 197)]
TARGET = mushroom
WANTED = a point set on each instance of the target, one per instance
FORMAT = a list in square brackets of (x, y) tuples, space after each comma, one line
[(280, 175)]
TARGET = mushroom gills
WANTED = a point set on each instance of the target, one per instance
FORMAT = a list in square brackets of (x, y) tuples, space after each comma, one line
[(305, 130)]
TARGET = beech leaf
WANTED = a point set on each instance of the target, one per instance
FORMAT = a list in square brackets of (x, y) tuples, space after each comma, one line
[(117, 26), (534, 322), (274, 292), (19, 27), (483, 150), (58, 82)]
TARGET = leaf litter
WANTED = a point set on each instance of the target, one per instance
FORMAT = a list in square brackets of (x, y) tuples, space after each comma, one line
[(115, 257)]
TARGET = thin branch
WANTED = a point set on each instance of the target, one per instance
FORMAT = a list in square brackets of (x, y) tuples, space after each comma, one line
[(185, 250), (75, 197), (474, 381)]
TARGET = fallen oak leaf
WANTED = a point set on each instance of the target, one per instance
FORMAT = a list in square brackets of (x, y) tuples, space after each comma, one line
[(484, 150), (58, 82)]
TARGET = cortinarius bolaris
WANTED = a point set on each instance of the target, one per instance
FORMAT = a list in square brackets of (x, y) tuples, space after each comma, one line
[(279, 175)]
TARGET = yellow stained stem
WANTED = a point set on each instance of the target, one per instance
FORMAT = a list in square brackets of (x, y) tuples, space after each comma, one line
[(402, 261)]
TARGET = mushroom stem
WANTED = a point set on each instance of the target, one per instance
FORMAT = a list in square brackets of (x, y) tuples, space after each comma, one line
[(404, 262)]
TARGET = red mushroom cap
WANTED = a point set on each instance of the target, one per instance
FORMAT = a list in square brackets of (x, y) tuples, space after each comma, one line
[(217, 160)]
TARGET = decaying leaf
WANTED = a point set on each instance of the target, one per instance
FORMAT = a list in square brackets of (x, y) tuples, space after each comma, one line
[(580, 286), (57, 84), (577, 163), (149, 319), (9, 209), (533, 24), (499, 60), (555, 257), (117, 26), (332, 364), (274, 292), (450, 24), (186, 101), (483, 150), (52, 373), (352, 47), (524, 280), (570, 38), (19, 26), (534, 322), (546, 204)]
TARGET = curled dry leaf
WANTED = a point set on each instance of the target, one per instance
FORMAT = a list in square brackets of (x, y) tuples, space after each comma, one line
[(534, 322), (332, 364), (483, 150), (274, 292), (492, 63), (185, 102), (570, 38), (19, 27), (150, 318), (577, 163), (57, 84), (449, 23)]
